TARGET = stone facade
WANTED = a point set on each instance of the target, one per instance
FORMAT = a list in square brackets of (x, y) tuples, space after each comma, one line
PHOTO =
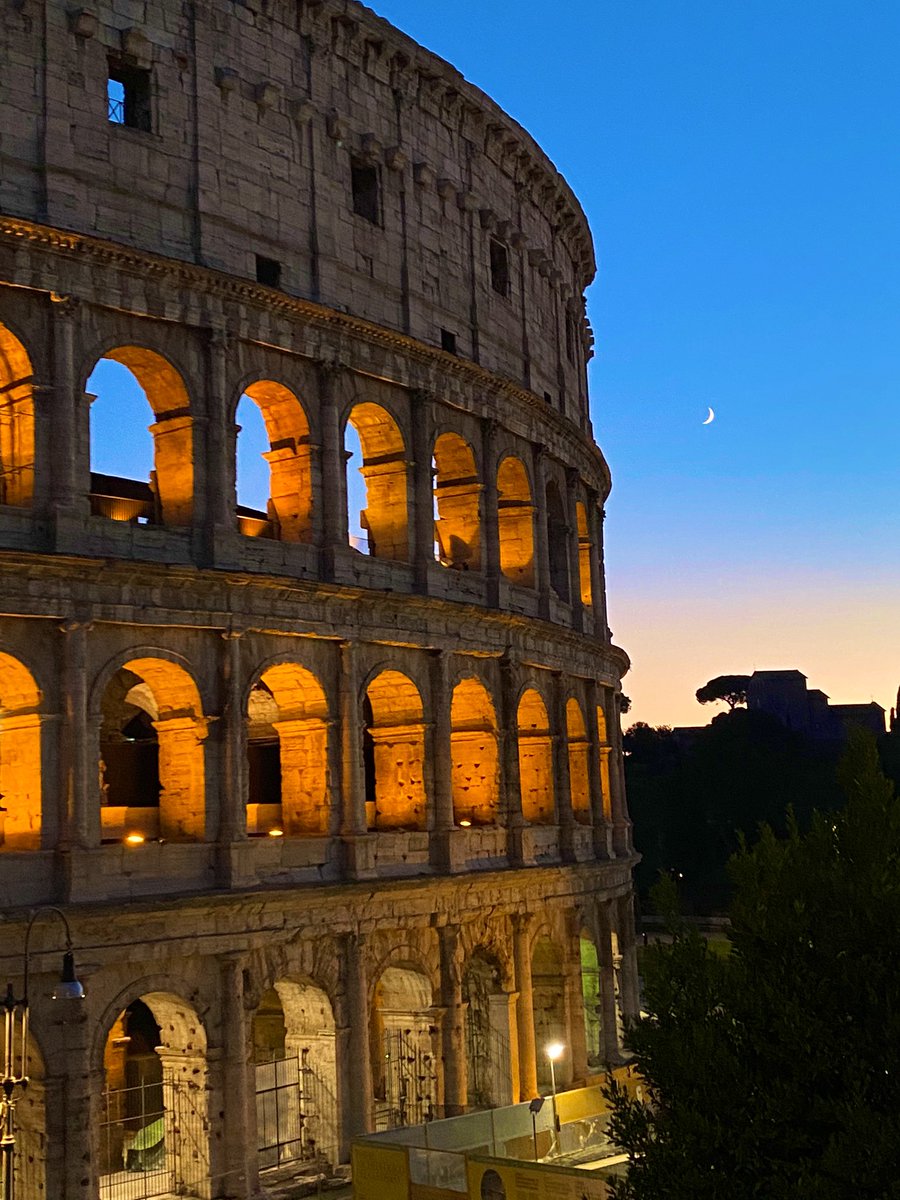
[(307, 809)]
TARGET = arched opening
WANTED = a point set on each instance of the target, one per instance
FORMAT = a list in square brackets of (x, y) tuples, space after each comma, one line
[(487, 1032), (590, 990), (456, 498), (558, 541), (16, 422), (605, 751), (154, 1138), (20, 757), (403, 1058), (275, 495), (535, 760), (474, 755), (579, 769), (287, 750), (166, 494), (384, 521), (515, 522), (296, 1076), (152, 767), (549, 1012), (395, 760), (585, 553)]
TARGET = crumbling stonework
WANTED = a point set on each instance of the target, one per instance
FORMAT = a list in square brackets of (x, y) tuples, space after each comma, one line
[(306, 808)]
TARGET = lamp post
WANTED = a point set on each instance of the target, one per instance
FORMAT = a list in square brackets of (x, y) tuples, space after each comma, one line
[(554, 1051), (15, 1042)]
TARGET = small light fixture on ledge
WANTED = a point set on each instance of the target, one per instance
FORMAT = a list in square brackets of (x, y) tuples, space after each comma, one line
[(276, 833), (134, 839), (465, 823)]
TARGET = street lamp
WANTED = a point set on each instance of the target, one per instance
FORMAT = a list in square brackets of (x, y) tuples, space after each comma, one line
[(15, 1043), (554, 1051)]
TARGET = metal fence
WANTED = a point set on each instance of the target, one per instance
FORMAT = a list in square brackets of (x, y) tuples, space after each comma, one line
[(153, 1142), (410, 1078), (296, 1113)]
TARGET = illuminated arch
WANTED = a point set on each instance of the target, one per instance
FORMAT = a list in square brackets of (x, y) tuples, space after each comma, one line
[(16, 422), (605, 751), (535, 759), (384, 470), (151, 747), (394, 753), (20, 757), (287, 715), (557, 541), (172, 482), (579, 769), (290, 509), (474, 754), (515, 522), (404, 1067), (585, 553), (456, 494)]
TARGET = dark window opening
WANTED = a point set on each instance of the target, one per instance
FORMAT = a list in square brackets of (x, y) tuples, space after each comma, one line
[(499, 268), (264, 763), (128, 97), (368, 755), (268, 271), (448, 341), (364, 181), (548, 399), (570, 338)]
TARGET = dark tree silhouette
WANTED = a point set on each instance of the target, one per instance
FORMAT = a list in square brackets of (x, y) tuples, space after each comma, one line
[(730, 688)]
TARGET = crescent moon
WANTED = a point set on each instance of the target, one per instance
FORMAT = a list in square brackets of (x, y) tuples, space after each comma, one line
[(709, 420)]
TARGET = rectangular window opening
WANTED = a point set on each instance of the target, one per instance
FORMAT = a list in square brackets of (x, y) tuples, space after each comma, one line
[(268, 271), (128, 97), (570, 338), (499, 268), (364, 182), (448, 341)]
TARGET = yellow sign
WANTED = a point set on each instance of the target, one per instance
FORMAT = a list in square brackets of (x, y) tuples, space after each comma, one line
[(497, 1181), (379, 1173)]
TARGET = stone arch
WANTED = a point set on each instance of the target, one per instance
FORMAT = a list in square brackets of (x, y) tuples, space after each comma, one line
[(549, 1002), (585, 554), (488, 1032), (16, 421), (20, 756), (457, 489), (151, 750), (558, 541), (579, 762), (590, 989), (384, 470), (294, 1050), (515, 522), (287, 748), (535, 759), (170, 495), (154, 1115), (290, 507), (605, 752), (394, 753), (475, 760), (404, 1058)]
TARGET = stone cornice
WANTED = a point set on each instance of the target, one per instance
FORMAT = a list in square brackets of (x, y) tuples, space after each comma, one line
[(230, 288)]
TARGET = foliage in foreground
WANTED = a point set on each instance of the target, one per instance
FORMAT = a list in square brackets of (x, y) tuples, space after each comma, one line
[(775, 1071)]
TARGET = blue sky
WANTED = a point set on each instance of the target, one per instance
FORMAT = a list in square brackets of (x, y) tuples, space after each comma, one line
[(738, 161)]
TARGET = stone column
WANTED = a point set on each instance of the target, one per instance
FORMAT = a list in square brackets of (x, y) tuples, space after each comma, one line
[(628, 972), (572, 482), (221, 440), (356, 1100), (357, 844), (510, 790), (70, 479), (599, 775), (609, 1026), (528, 1088), (596, 515), (232, 745), (489, 514), (561, 780), (79, 783), (574, 991), (621, 826), (238, 1161), (423, 487), (541, 534), (442, 824), (334, 467), (453, 1030), (74, 1086)]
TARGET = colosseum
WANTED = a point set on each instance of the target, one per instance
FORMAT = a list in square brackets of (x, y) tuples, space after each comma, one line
[(328, 788)]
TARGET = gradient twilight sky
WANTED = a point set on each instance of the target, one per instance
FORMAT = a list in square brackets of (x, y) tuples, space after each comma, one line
[(739, 162)]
